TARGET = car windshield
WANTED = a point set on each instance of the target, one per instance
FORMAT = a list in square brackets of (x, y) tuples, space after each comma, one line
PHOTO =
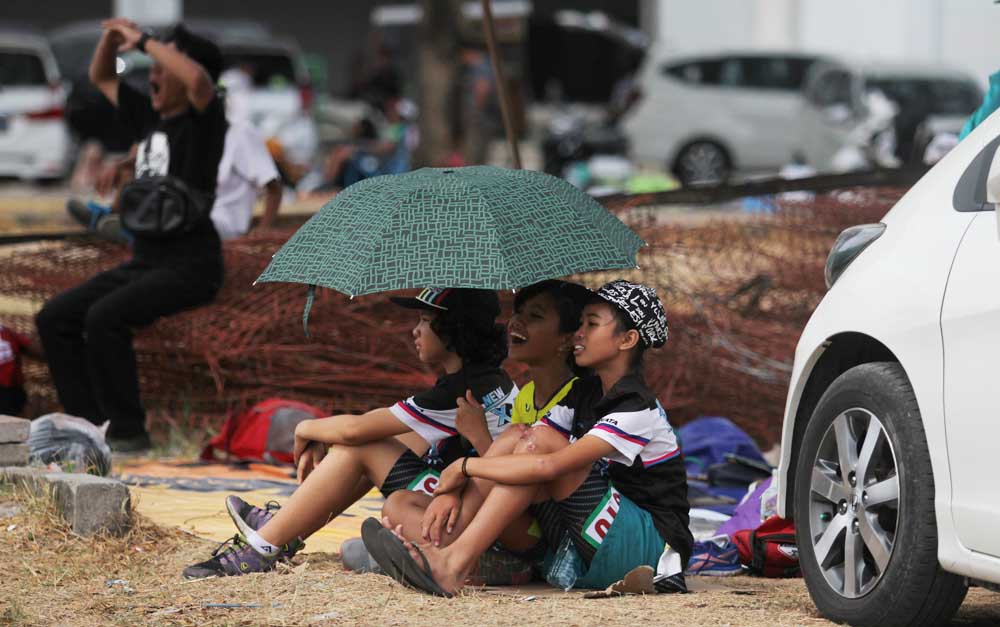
[(21, 69), (269, 70), (73, 55), (936, 96)]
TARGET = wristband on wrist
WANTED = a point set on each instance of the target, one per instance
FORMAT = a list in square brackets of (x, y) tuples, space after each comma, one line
[(465, 460), (143, 38)]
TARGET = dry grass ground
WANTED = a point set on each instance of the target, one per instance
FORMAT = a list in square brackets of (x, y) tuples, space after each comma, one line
[(53, 578)]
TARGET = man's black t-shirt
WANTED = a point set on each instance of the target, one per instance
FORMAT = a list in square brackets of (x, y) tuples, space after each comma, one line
[(187, 146)]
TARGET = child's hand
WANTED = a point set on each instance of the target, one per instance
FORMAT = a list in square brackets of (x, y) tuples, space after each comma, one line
[(442, 512), (470, 420), (309, 459), (301, 441), (451, 479)]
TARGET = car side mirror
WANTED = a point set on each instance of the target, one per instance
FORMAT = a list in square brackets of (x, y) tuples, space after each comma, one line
[(993, 187)]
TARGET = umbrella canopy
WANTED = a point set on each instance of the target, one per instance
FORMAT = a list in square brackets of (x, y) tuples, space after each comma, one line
[(478, 226)]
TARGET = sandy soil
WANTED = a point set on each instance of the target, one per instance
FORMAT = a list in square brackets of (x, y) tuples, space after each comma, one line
[(52, 577)]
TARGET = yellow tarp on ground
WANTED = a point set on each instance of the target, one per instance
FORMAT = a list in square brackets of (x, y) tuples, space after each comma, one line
[(203, 513)]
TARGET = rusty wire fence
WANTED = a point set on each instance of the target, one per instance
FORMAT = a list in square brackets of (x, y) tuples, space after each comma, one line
[(738, 288)]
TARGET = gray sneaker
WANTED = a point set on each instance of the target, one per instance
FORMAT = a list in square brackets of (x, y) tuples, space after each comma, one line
[(356, 557), (232, 557), (249, 518)]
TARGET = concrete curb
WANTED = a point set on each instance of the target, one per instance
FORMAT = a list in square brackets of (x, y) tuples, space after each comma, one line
[(90, 504)]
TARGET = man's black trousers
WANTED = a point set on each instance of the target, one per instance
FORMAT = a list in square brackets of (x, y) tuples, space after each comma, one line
[(87, 335)]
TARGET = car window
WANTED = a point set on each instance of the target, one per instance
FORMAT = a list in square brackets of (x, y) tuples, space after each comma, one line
[(21, 69), (73, 56), (697, 72), (831, 88), (930, 96), (954, 97), (268, 70), (774, 72), (970, 192)]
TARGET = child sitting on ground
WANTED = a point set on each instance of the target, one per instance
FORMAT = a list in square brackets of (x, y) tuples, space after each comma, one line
[(610, 497), (456, 332), (540, 335)]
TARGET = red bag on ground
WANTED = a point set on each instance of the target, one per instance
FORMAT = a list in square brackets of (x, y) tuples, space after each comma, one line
[(770, 549), (263, 433)]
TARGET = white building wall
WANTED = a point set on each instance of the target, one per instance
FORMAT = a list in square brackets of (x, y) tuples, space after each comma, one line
[(960, 33)]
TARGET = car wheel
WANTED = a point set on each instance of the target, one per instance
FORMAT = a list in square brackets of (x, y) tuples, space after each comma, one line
[(864, 506), (702, 162)]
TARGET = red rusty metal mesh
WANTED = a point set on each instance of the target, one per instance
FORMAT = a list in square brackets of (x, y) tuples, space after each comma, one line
[(738, 288)]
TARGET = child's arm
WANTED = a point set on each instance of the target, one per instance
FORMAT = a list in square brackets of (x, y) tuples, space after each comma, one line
[(470, 420), (348, 429), (522, 469)]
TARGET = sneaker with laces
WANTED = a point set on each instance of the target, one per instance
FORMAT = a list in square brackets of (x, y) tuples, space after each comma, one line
[(249, 517), (232, 557)]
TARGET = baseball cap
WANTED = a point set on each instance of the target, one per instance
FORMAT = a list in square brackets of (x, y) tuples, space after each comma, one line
[(641, 306), (470, 301)]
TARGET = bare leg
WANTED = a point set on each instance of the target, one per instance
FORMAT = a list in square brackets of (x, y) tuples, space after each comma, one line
[(451, 565), (343, 477), (406, 510)]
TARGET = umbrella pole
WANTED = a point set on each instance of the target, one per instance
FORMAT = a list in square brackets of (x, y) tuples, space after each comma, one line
[(501, 85)]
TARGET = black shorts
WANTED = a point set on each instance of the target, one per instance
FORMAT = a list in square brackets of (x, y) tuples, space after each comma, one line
[(411, 472), (572, 514)]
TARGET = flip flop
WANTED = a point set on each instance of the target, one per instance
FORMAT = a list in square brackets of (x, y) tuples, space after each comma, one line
[(407, 569), (371, 534)]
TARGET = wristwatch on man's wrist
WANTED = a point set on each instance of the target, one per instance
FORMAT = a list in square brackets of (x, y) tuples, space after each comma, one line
[(143, 38)]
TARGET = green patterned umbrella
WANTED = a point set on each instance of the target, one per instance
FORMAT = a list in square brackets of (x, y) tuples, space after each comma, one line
[(478, 226)]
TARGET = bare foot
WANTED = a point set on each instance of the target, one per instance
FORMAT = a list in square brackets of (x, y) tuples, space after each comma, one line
[(450, 576)]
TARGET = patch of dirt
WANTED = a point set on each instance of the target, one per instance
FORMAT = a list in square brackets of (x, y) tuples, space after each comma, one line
[(52, 577)]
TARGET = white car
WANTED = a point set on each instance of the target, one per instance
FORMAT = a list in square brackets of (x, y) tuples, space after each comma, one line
[(34, 140), (703, 117), (892, 423), (838, 115)]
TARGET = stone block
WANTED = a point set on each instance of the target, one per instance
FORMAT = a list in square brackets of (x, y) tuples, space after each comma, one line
[(90, 504), (14, 430), (13, 455)]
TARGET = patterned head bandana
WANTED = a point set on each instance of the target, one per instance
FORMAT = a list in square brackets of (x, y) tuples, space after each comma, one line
[(642, 307)]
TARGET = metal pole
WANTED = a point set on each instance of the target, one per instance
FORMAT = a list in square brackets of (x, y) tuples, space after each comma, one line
[(501, 85)]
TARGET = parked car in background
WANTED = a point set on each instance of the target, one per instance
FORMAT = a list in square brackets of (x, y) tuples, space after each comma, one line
[(88, 113), (890, 427), (704, 117), (34, 141), (837, 110)]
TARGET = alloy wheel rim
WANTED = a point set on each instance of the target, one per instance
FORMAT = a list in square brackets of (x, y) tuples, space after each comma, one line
[(854, 503)]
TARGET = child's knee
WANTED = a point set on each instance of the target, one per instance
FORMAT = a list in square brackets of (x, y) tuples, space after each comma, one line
[(540, 439), (400, 501)]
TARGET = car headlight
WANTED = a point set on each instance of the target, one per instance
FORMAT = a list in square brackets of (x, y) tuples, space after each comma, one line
[(848, 246)]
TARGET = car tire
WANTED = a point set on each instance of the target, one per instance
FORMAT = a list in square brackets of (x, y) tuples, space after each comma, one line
[(701, 163), (873, 507)]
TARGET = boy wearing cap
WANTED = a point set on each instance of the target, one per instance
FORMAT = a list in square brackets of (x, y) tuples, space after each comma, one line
[(611, 497), (181, 127), (340, 458)]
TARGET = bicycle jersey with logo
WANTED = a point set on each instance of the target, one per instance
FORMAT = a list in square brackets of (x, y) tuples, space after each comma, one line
[(646, 464), (432, 414), (556, 412)]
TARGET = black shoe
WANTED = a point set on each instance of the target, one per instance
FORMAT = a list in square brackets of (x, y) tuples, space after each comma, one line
[(672, 584), (131, 444)]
